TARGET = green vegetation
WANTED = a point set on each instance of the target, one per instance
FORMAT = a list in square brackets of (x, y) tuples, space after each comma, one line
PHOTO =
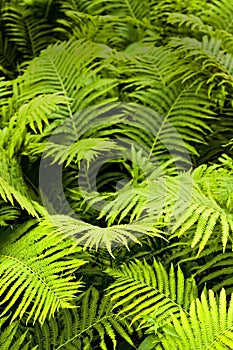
[(116, 174)]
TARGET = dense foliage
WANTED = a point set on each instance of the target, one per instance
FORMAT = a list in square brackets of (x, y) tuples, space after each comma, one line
[(116, 174)]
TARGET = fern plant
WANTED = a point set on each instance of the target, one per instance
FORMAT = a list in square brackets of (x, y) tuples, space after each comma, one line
[(116, 174), (37, 274)]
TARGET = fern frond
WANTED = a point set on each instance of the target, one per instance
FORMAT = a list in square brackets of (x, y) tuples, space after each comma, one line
[(192, 22), (141, 199), (115, 31), (211, 268), (117, 23), (87, 149), (30, 34), (91, 236), (9, 337), (189, 121), (153, 63), (34, 114), (209, 208), (36, 276), (209, 325), (78, 329), (7, 56), (122, 8), (212, 60), (6, 89), (13, 186), (140, 289), (219, 15), (219, 272), (8, 213), (204, 25), (68, 68)]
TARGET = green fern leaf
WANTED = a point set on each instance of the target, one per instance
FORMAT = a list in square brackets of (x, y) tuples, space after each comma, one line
[(140, 289), (10, 338), (91, 236), (77, 329), (208, 325), (13, 186), (36, 276)]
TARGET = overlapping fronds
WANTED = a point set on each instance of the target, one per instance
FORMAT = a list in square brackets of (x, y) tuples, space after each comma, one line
[(28, 33), (91, 236), (13, 188), (39, 274), (68, 68), (210, 208), (211, 268), (173, 116), (9, 337), (113, 23), (219, 267), (209, 325), (115, 112), (214, 62), (78, 329), (34, 114), (141, 289), (219, 15), (159, 194)]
